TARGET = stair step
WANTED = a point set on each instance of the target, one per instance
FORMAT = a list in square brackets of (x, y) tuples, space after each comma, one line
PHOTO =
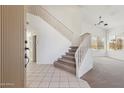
[(67, 62), (72, 58), (65, 67), (72, 50), (70, 53), (73, 47)]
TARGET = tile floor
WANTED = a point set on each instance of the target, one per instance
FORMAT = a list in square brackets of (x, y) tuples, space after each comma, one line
[(47, 76)]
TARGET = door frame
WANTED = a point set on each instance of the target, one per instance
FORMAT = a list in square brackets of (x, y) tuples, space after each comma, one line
[(12, 34), (34, 41)]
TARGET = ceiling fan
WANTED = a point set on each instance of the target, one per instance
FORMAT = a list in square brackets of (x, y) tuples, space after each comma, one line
[(101, 22)]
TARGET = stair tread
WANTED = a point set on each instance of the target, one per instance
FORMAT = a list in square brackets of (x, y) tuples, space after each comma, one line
[(67, 64), (71, 69), (72, 50), (66, 60), (70, 53), (68, 56), (73, 46)]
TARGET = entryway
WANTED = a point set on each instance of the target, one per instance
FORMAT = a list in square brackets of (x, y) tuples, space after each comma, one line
[(31, 47), (48, 76)]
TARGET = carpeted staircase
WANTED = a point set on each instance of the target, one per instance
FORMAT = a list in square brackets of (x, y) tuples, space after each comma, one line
[(67, 62)]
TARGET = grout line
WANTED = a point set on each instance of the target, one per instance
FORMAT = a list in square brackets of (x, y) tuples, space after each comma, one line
[(57, 73), (43, 77), (51, 79), (68, 81)]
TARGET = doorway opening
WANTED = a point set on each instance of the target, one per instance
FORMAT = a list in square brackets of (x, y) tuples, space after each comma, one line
[(30, 47)]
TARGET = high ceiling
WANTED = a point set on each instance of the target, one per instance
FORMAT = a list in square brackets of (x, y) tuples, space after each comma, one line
[(112, 15), (84, 17)]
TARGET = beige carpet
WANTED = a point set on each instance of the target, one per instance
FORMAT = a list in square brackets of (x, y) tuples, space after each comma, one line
[(107, 73)]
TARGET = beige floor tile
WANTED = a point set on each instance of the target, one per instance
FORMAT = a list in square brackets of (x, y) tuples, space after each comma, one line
[(47, 76), (84, 84), (72, 80), (63, 79), (34, 84), (74, 85), (54, 85), (56, 79), (46, 79), (64, 85), (43, 85), (31, 78)]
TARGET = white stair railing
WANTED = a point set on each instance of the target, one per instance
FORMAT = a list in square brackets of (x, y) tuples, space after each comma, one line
[(83, 56), (38, 10)]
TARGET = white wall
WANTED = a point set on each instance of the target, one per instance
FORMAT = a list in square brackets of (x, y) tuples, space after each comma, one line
[(50, 43), (70, 16)]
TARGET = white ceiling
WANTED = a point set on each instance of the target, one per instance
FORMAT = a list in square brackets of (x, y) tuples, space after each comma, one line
[(113, 15)]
